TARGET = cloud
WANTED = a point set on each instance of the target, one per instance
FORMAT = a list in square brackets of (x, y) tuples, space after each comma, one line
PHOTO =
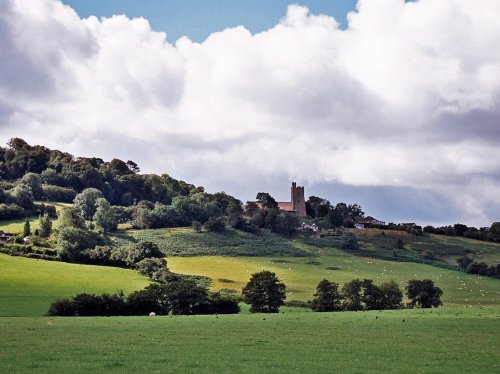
[(405, 99)]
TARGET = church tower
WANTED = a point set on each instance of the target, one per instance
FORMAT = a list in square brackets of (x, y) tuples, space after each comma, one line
[(298, 200)]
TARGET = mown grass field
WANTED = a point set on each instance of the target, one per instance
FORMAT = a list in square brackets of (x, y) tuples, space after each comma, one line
[(301, 275), (16, 226), (407, 341), (28, 286)]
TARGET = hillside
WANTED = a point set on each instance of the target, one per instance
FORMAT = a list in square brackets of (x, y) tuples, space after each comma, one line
[(373, 243), (229, 258), (28, 286)]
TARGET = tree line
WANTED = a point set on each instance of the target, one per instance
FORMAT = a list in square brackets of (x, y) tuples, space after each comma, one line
[(491, 233), (264, 292)]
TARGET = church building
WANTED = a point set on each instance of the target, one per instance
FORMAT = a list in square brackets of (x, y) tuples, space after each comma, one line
[(297, 204)]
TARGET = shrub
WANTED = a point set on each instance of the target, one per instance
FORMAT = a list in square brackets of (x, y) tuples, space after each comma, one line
[(427, 255), (71, 242), (196, 226), (62, 307), (215, 224), (149, 266), (11, 211), (56, 193), (350, 242), (218, 304)]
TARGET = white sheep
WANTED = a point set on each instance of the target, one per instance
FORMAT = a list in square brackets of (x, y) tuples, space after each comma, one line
[(152, 314)]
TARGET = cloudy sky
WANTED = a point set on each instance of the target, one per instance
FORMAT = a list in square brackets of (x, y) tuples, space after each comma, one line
[(394, 105)]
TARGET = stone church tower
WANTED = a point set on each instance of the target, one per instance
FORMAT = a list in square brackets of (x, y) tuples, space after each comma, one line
[(298, 200)]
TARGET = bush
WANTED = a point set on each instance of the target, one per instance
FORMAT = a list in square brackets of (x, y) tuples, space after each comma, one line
[(350, 242), (150, 266), (215, 224), (427, 255), (196, 225), (71, 242), (90, 305), (218, 304), (56, 193), (129, 256), (11, 211), (62, 307)]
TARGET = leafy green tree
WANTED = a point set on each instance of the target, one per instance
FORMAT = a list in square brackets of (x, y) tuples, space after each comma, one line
[(45, 226), (351, 295), (393, 296), (70, 217), (51, 177), (251, 208), (143, 217), (215, 224), (105, 216), (34, 182), (264, 292), (184, 296), (266, 200), (26, 228), (373, 296), (72, 241), (151, 299), (327, 297), (85, 202), (316, 207), (286, 224), (423, 293), (197, 226), (22, 195)]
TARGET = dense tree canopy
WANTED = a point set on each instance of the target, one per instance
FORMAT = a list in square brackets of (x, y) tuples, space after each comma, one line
[(264, 292), (423, 293), (327, 297)]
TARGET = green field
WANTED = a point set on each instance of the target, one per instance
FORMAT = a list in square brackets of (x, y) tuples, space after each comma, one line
[(408, 341), (28, 286), (301, 275), (462, 337), (16, 226)]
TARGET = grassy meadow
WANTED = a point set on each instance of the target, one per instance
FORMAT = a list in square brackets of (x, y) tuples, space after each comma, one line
[(28, 286), (407, 341), (461, 337), (16, 226), (301, 275)]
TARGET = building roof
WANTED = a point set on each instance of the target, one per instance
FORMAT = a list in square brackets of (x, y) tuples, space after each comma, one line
[(286, 206)]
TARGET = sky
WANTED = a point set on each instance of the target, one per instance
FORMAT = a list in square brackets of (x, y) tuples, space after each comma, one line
[(390, 104)]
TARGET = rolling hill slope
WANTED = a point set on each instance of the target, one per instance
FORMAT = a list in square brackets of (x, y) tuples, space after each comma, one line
[(28, 286)]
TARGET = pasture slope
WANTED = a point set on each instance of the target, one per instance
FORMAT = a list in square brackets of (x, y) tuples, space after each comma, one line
[(28, 286), (447, 340), (302, 275), (461, 337)]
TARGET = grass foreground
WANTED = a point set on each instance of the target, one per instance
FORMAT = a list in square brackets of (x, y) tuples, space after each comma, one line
[(444, 340)]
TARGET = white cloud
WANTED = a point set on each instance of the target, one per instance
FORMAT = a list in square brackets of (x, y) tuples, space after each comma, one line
[(407, 96)]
